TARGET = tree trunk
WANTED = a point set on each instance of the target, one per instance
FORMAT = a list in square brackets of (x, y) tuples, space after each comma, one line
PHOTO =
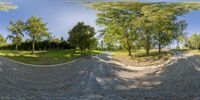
[(129, 47), (159, 46), (33, 45), (82, 51), (129, 52), (147, 51), (147, 44), (178, 44), (159, 43), (16, 47)]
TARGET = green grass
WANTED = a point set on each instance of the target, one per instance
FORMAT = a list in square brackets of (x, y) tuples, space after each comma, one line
[(140, 57), (44, 57), (195, 52)]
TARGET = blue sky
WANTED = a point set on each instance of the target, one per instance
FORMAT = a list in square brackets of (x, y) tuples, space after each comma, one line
[(59, 16), (62, 16)]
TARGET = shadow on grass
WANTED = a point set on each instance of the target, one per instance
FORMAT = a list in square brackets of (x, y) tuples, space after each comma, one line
[(139, 58)]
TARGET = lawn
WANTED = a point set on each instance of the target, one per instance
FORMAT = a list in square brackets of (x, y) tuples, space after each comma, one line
[(139, 57), (195, 52), (43, 57)]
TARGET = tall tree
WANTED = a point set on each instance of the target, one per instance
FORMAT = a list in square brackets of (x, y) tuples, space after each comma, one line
[(178, 31), (17, 29), (82, 36), (36, 28), (146, 26), (165, 24), (119, 27)]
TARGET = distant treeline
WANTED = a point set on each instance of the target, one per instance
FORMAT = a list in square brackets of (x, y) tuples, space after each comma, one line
[(193, 42), (42, 45)]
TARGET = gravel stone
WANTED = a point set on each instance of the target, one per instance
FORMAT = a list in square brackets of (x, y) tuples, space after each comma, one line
[(96, 78)]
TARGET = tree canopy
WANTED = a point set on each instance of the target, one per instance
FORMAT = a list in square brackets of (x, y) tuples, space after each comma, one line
[(16, 28), (193, 42), (36, 29), (132, 24), (82, 36), (5, 6)]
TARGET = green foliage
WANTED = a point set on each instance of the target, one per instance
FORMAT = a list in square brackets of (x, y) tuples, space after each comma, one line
[(5, 6), (41, 57), (36, 29), (2, 40), (104, 6), (44, 57), (119, 27), (135, 24), (82, 37), (40, 45), (162, 23), (17, 29), (193, 41)]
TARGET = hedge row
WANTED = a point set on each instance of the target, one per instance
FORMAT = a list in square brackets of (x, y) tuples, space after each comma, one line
[(43, 45)]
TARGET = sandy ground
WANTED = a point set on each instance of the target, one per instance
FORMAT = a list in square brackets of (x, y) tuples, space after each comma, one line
[(101, 78)]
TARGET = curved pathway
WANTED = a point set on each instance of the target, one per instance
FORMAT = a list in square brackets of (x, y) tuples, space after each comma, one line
[(98, 78)]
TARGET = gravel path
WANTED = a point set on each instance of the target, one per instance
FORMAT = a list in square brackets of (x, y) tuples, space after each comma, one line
[(98, 78)]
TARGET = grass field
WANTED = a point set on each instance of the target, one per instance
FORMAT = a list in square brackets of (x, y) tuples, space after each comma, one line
[(43, 57), (61, 56), (139, 57)]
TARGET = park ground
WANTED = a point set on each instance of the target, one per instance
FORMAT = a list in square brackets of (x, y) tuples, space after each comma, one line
[(139, 57), (48, 57), (51, 57)]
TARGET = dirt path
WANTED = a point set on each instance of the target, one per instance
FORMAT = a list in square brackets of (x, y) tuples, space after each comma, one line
[(99, 78)]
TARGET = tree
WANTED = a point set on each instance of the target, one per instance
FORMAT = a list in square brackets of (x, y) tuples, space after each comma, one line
[(17, 29), (2, 40), (125, 24), (179, 33), (119, 27), (148, 23), (166, 26), (162, 22), (146, 26), (194, 41), (36, 29), (82, 36)]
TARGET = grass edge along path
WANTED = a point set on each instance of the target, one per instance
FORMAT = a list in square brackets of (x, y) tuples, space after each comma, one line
[(50, 57), (139, 58)]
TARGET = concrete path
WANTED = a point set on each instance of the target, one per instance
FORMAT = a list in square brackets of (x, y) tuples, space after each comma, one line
[(99, 78)]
